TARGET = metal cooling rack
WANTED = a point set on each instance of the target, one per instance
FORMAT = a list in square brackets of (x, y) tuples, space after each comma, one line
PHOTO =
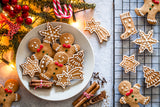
[(126, 47)]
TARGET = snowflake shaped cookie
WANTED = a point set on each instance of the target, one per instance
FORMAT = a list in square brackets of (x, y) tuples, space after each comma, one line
[(51, 34), (129, 63), (30, 67), (146, 41)]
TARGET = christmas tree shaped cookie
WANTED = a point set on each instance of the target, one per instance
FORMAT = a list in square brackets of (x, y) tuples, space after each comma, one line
[(152, 77), (76, 60)]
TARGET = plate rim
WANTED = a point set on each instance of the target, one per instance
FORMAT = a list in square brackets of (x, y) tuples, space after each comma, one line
[(61, 23)]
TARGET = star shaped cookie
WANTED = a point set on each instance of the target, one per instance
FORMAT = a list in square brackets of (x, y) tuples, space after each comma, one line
[(68, 75), (146, 41), (129, 63), (30, 67), (51, 34), (63, 79), (93, 26)]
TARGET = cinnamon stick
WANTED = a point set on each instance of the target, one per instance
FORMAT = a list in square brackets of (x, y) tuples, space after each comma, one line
[(44, 81), (41, 83), (91, 90), (95, 99), (87, 91)]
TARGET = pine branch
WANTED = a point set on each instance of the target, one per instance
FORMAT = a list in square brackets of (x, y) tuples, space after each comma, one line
[(83, 6), (43, 15)]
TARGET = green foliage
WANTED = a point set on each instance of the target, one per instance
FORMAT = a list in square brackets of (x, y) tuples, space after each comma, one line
[(43, 16)]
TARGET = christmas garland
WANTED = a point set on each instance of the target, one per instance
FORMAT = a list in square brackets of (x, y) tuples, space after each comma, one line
[(42, 11)]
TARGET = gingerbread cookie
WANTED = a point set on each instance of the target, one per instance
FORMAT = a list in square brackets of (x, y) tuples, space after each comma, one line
[(40, 49), (129, 63), (30, 67), (7, 93), (152, 77), (51, 34), (66, 46), (146, 41), (68, 75), (55, 67), (93, 26), (132, 96), (128, 24), (44, 63), (152, 7), (76, 60)]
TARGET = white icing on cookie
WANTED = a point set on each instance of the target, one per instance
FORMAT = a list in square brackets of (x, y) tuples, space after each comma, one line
[(140, 12), (16, 97), (137, 87), (150, 20), (57, 48), (44, 76), (76, 49), (123, 100)]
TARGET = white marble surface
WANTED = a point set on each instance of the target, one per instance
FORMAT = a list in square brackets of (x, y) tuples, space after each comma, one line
[(103, 58)]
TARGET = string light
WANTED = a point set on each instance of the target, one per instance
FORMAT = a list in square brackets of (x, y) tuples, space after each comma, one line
[(75, 24)]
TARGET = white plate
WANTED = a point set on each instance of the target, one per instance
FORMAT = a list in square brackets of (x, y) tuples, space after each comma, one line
[(57, 93)]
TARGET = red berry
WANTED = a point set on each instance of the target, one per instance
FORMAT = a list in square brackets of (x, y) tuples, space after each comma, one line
[(25, 8), (56, 63), (25, 14), (28, 21), (13, 2), (68, 46), (12, 14), (60, 65), (6, 90), (5, 1), (7, 8), (17, 8), (19, 20), (9, 91)]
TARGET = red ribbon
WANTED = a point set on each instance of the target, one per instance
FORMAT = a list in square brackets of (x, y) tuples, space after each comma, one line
[(130, 92), (40, 48), (13, 28), (60, 65), (8, 91), (156, 2), (66, 46)]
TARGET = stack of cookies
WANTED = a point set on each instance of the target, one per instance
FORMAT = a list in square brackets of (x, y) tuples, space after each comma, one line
[(56, 60)]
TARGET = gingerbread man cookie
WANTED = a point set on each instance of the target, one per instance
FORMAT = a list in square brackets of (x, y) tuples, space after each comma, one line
[(55, 67), (66, 46), (39, 48), (7, 93), (132, 95), (152, 7)]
